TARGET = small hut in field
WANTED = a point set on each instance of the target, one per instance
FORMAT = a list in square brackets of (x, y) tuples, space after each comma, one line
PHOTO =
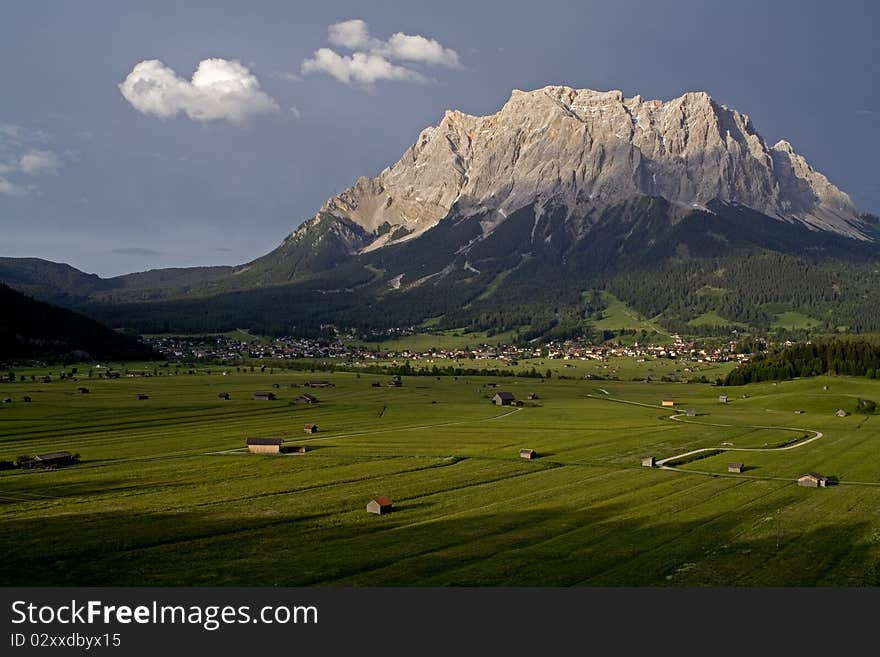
[(813, 480), (264, 445), (529, 454), (380, 505), (649, 462), (310, 428), (735, 468)]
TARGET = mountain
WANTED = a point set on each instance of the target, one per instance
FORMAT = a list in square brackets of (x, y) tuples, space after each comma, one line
[(582, 150), (31, 329), (528, 218)]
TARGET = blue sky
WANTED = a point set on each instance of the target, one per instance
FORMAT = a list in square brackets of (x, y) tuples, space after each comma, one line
[(113, 182)]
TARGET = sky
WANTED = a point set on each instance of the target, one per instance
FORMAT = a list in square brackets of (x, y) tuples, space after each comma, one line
[(139, 135)]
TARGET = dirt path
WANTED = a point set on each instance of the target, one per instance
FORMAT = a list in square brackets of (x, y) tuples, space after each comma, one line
[(677, 417)]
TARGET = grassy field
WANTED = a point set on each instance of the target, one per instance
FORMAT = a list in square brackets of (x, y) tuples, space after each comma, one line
[(712, 318), (165, 494), (617, 315), (439, 340), (792, 320)]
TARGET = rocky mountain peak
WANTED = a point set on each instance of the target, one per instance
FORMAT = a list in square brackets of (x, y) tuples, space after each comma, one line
[(587, 150)]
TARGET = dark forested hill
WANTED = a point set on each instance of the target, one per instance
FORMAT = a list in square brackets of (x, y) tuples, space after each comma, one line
[(31, 329)]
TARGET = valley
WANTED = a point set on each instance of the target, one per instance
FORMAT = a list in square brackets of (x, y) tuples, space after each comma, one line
[(166, 483)]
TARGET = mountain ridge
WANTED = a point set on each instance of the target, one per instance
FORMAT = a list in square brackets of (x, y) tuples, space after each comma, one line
[(582, 148), (562, 187)]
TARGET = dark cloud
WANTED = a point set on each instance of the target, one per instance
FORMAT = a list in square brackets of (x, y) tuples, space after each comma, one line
[(136, 251)]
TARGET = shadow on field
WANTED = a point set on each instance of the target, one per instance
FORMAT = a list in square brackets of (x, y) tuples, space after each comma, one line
[(427, 544), (52, 491)]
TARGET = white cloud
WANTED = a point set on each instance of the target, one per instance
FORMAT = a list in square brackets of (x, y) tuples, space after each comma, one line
[(20, 157), (416, 48), (220, 90), (9, 188), (865, 112), (39, 162), (10, 132), (296, 113), (353, 34), (372, 59), (361, 67)]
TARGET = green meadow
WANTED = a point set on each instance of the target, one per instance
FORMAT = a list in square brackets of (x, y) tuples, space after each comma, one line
[(165, 493)]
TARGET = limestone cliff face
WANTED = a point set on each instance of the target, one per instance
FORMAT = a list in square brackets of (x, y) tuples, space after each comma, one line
[(586, 150)]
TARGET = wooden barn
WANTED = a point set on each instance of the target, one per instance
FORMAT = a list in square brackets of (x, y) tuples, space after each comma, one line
[(503, 399), (667, 402), (141, 396), (813, 480), (222, 395), (735, 467), (82, 390), (691, 412), (380, 505), (294, 449), (305, 399), (26, 399), (841, 413), (50, 460), (529, 454), (723, 399), (532, 395), (7, 400), (319, 384), (264, 396), (649, 462), (310, 428), (264, 445)]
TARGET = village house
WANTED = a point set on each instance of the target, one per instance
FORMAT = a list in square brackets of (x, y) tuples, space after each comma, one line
[(264, 396), (813, 480), (264, 445), (503, 399), (380, 505)]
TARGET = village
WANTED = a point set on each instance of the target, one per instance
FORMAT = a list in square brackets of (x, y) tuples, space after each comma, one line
[(228, 350)]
